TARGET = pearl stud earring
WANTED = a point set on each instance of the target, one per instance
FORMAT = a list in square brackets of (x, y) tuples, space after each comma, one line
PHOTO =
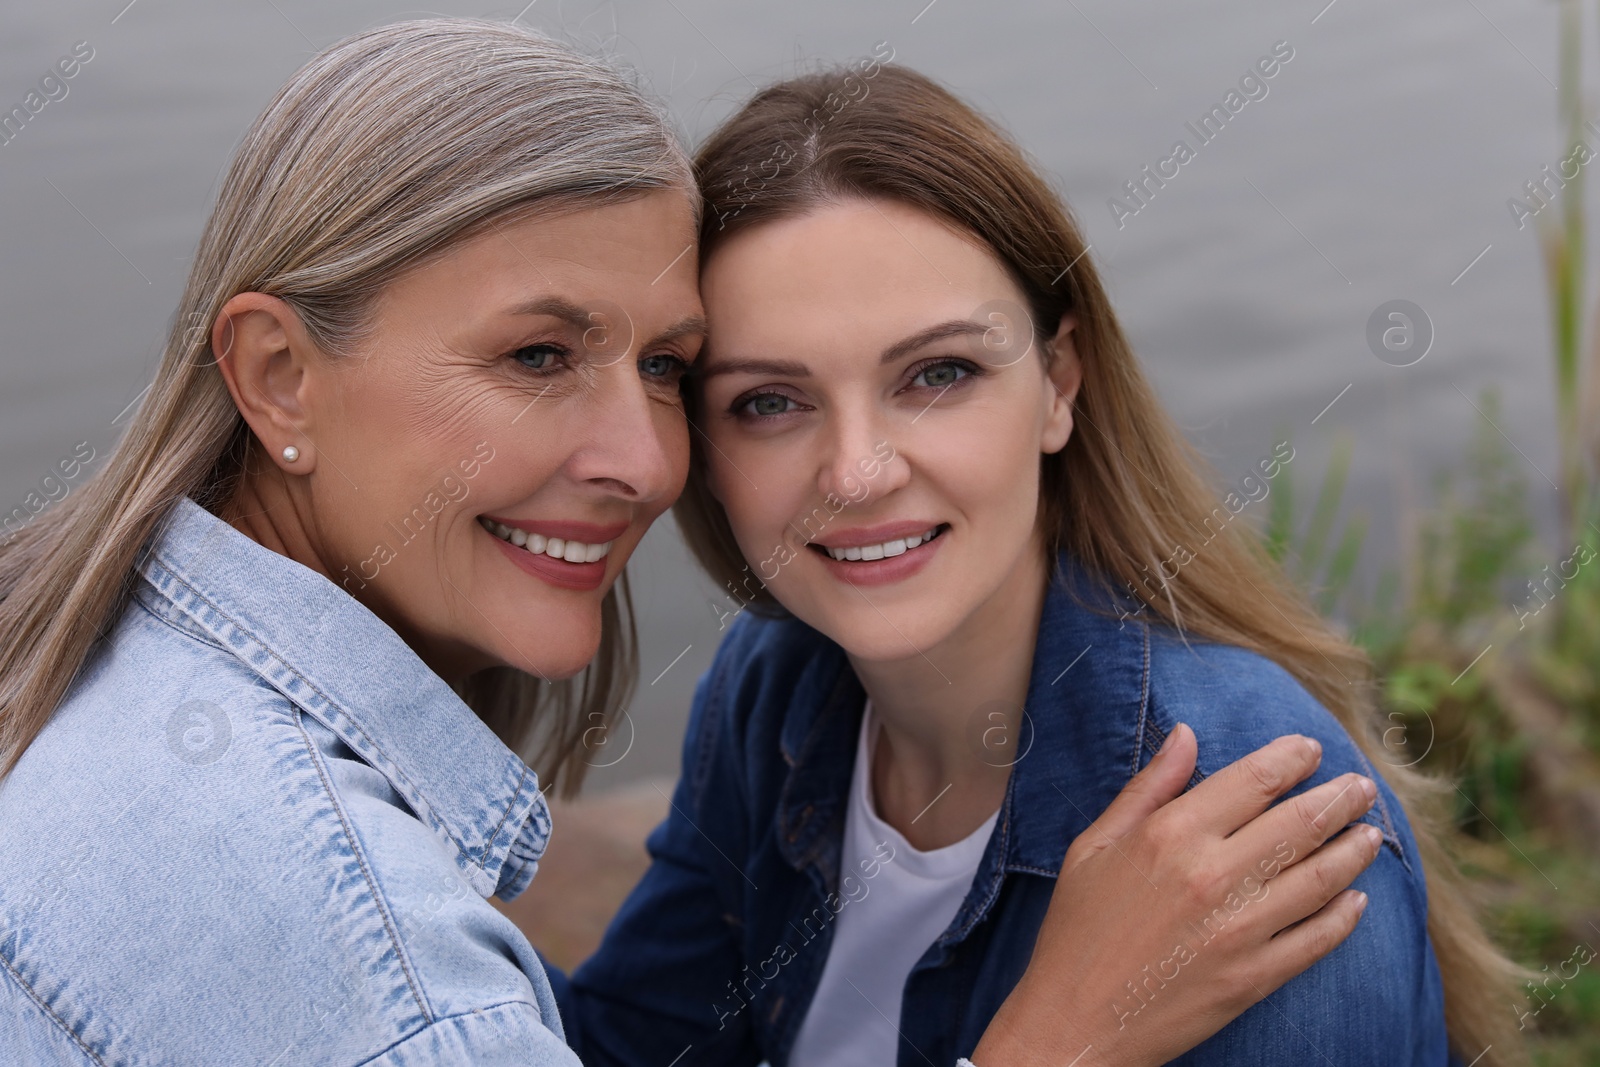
[(290, 453)]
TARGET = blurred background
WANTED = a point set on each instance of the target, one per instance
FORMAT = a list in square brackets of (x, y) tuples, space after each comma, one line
[(1382, 261)]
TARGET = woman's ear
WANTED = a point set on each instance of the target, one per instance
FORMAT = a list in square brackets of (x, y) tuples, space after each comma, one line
[(265, 357), (1064, 373)]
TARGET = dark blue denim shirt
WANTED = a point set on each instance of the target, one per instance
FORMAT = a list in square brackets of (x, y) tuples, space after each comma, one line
[(718, 951)]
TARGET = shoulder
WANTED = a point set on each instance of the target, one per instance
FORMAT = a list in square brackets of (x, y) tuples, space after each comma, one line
[(1240, 696), (180, 844), (1385, 974), (1237, 700), (449, 951)]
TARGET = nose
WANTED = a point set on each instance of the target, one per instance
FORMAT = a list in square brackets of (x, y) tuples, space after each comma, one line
[(858, 461), (632, 445)]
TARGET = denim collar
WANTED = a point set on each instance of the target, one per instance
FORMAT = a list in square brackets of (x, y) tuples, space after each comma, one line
[(1086, 730), (336, 660)]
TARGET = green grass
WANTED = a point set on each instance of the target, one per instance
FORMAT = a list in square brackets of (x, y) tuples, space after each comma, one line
[(1458, 589), (1477, 578)]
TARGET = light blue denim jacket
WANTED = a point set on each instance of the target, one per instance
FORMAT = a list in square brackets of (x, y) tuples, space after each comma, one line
[(261, 831)]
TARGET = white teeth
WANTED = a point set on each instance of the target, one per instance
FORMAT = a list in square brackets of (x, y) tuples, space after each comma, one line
[(897, 547), (539, 544)]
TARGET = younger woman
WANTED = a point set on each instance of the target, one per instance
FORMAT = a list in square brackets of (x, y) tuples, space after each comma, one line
[(979, 581)]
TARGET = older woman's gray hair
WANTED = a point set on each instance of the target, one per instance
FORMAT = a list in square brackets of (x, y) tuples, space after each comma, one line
[(384, 150)]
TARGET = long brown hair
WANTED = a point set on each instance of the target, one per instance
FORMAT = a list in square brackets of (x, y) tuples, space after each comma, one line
[(1128, 488), (380, 153)]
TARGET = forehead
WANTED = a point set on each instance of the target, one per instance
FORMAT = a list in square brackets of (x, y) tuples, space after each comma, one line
[(640, 253), (848, 270)]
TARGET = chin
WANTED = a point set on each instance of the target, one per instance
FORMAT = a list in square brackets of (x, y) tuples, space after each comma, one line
[(555, 653), (897, 633), (566, 661)]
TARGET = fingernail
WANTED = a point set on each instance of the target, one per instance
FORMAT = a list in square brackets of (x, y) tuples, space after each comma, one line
[(1313, 746), (1369, 788), (1167, 744), (1361, 903), (1373, 835)]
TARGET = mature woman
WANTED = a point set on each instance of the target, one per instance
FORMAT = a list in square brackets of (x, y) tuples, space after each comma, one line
[(257, 678), (979, 581)]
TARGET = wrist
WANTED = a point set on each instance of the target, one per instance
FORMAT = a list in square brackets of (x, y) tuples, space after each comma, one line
[(1039, 1030)]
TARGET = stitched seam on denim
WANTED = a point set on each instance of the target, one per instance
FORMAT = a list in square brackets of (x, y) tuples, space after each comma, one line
[(1154, 737), (356, 726), (33, 996), (1390, 837), (1142, 729), (203, 638), (366, 872), (1020, 868), (1002, 849), (1144, 702), (521, 781), (713, 723), (451, 1019), (825, 806), (697, 774), (1393, 844), (524, 851), (520, 853), (979, 912)]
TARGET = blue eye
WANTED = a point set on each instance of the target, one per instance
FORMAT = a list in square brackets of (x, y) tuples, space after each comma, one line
[(538, 357), (663, 368), (940, 375), (765, 405)]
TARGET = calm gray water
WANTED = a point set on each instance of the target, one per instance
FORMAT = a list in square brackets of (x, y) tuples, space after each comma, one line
[(1377, 167)]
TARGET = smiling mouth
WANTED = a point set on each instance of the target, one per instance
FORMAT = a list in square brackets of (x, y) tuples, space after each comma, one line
[(886, 550), (554, 547)]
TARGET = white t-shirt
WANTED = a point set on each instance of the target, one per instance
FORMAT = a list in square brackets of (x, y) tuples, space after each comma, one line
[(889, 918)]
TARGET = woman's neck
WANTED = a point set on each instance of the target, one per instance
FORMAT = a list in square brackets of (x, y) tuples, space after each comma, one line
[(951, 716)]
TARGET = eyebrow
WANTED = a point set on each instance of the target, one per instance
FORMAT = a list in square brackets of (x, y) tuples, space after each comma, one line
[(688, 326), (578, 318), (943, 331), (897, 351), (555, 307)]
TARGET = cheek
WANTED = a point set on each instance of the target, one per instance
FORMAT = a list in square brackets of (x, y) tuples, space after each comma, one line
[(991, 487), (672, 431), (750, 512), (419, 488), (397, 408), (763, 488), (987, 463)]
